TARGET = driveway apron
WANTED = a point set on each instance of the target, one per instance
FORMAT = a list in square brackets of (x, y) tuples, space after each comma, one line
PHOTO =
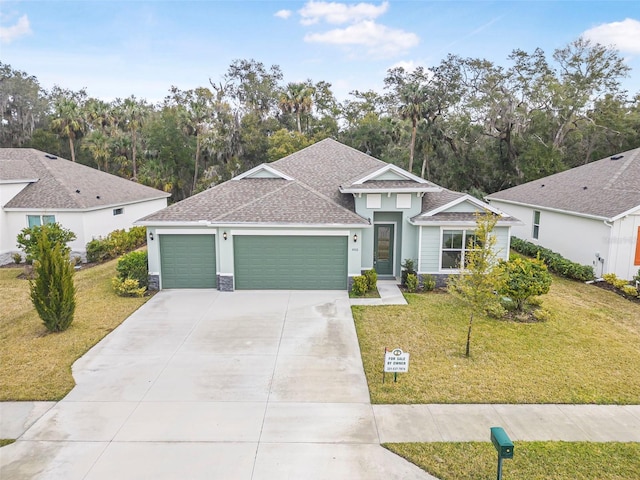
[(199, 384)]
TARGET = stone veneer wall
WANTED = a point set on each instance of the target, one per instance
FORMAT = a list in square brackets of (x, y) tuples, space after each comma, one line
[(225, 283), (440, 278), (154, 282)]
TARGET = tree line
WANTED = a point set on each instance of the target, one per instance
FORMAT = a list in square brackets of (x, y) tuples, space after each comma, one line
[(467, 124)]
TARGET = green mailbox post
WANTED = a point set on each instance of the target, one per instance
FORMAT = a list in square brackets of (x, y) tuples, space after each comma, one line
[(504, 446)]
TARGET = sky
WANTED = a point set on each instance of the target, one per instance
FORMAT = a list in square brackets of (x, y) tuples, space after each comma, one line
[(119, 48)]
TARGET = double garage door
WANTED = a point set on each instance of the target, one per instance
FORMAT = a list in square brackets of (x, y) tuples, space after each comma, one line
[(261, 262)]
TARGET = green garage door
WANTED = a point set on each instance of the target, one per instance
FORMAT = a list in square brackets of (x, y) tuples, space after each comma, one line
[(296, 263), (188, 261)]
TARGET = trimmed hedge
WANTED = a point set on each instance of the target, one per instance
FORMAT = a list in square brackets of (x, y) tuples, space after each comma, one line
[(554, 261)]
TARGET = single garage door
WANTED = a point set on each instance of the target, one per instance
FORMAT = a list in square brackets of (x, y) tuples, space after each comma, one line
[(188, 261), (296, 263)]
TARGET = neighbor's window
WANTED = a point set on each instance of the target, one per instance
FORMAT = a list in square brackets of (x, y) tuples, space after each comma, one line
[(536, 223), (118, 211), (455, 243), (38, 220)]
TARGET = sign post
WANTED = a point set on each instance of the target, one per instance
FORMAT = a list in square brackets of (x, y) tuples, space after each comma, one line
[(395, 361)]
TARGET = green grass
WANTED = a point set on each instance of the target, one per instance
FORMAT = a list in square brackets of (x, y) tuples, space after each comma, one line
[(586, 353), (531, 460), (35, 364)]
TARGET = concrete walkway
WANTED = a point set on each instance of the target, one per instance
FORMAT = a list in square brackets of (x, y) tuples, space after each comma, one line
[(389, 292)]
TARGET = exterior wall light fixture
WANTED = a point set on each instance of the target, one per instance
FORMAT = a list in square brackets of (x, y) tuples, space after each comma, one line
[(151, 236), (355, 237), (224, 235)]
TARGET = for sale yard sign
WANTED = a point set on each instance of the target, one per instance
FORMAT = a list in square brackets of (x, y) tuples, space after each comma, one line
[(396, 361)]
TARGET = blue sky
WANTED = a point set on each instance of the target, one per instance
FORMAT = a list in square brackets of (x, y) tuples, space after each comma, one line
[(121, 47)]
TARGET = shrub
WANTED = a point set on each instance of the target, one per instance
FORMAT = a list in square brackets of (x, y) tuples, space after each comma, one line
[(612, 279), (408, 268), (17, 258), (428, 283), (115, 244), (52, 291), (542, 315), (637, 277), (554, 261), (28, 239), (630, 290), (128, 287), (360, 285), (372, 279), (411, 282), (133, 265), (524, 278)]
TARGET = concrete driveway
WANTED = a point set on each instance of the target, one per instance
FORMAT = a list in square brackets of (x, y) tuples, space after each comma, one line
[(201, 384)]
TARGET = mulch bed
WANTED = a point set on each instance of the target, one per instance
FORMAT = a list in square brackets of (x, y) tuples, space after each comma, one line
[(607, 286)]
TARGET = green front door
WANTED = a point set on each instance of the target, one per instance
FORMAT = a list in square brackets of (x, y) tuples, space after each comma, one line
[(383, 248), (290, 262), (188, 261)]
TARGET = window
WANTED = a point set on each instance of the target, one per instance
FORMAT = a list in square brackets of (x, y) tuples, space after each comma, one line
[(38, 220), (536, 224), (455, 243), (118, 211)]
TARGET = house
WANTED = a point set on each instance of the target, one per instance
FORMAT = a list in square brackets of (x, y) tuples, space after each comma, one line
[(589, 214), (38, 188), (312, 220)]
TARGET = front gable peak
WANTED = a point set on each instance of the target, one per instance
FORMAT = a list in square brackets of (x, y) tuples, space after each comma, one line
[(263, 171), (389, 172)]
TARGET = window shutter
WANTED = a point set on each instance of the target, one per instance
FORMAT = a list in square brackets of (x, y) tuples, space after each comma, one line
[(637, 259)]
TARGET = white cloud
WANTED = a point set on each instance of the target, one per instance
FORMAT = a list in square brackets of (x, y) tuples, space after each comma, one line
[(625, 35), (283, 14), (379, 39), (9, 34), (408, 65), (340, 13)]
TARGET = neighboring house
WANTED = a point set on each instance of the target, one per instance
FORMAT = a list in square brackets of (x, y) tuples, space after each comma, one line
[(312, 220), (589, 214), (38, 188)]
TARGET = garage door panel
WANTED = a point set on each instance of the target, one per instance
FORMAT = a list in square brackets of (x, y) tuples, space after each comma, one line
[(290, 262), (188, 261)]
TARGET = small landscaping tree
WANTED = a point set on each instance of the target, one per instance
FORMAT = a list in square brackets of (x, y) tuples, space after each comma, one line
[(524, 278), (28, 238), (479, 278), (52, 291)]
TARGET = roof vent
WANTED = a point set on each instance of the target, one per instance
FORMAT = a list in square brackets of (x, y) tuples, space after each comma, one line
[(51, 157), (542, 185), (98, 197), (77, 191), (584, 188), (617, 157)]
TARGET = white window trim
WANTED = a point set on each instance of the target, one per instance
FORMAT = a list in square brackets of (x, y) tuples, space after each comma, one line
[(464, 248), (534, 225)]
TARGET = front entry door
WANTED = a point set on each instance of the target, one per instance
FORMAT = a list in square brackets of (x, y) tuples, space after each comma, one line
[(383, 249)]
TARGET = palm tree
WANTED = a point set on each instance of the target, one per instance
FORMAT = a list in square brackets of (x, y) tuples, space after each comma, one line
[(133, 115), (413, 97), (297, 99), (68, 121), (99, 145)]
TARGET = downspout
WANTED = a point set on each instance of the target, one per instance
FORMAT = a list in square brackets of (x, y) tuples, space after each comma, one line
[(609, 253)]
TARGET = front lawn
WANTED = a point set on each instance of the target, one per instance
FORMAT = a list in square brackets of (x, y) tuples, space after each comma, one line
[(531, 460), (586, 353), (35, 364)]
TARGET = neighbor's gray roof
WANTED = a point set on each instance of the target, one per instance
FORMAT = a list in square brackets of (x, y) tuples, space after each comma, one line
[(605, 188), (312, 197), (62, 184), (460, 217)]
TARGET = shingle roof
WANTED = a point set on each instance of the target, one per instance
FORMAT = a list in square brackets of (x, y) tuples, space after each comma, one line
[(408, 185), (433, 200), (312, 197), (62, 184), (605, 188), (461, 217)]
